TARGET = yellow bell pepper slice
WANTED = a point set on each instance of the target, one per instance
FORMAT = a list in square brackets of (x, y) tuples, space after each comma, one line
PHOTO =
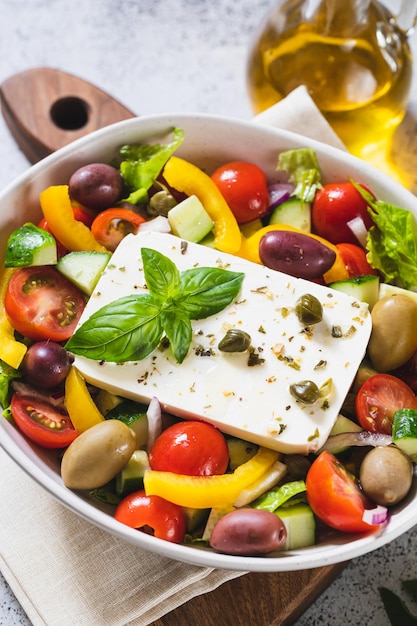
[(81, 408), (11, 351), (250, 250), (57, 209), (204, 492), (191, 180)]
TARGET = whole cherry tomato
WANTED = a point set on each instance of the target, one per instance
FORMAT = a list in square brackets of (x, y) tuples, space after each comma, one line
[(244, 187), (192, 448), (334, 205), (354, 258), (42, 304), (378, 399), (335, 497), (41, 422), (165, 519), (111, 225)]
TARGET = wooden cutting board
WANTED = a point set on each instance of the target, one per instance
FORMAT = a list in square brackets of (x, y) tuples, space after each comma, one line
[(46, 109)]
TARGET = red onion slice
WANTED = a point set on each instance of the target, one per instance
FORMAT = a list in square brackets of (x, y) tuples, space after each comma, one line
[(158, 224), (154, 415), (358, 228), (362, 438), (56, 398), (376, 516), (278, 193)]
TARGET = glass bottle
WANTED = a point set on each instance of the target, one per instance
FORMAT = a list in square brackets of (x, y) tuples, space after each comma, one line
[(352, 55)]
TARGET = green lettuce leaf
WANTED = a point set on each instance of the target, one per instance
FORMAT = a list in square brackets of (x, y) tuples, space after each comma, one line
[(304, 171)]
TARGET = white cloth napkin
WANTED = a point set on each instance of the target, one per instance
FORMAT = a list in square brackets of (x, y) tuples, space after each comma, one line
[(64, 570)]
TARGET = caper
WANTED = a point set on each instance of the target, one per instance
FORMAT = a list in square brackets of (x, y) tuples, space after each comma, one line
[(305, 391), (161, 202), (309, 309), (235, 340)]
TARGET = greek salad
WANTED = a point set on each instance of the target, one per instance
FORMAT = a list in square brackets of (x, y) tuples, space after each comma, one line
[(146, 265)]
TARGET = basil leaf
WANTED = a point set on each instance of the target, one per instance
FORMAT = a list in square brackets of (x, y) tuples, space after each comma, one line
[(177, 327), (161, 274), (127, 329), (206, 290)]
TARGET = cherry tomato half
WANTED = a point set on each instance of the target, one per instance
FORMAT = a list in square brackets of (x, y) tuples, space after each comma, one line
[(378, 399), (80, 214), (334, 205), (335, 497), (354, 258), (192, 448), (41, 422), (167, 520), (42, 304), (244, 187), (111, 225)]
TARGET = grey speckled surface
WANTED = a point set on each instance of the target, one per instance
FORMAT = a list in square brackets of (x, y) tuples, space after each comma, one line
[(164, 56)]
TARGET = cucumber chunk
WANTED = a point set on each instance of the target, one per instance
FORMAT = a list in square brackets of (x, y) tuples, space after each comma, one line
[(130, 478), (344, 425), (404, 431), (299, 521), (240, 451), (84, 268), (30, 245), (195, 518), (364, 288), (391, 290), (189, 220), (293, 212), (133, 414)]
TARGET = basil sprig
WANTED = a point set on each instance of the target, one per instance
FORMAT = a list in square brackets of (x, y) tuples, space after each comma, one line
[(131, 328)]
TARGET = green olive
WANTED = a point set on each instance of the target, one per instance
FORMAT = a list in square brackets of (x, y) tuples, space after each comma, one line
[(235, 340), (97, 455), (386, 475), (309, 309), (305, 391), (394, 332)]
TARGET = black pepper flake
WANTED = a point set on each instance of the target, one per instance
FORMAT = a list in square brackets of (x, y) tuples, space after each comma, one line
[(261, 329), (254, 358), (184, 247), (201, 351), (325, 405), (320, 364), (337, 332)]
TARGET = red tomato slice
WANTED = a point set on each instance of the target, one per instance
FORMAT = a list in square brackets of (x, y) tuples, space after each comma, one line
[(167, 520), (334, 205), (111, 225), (191, 448), (335, 497), (41, 422), (354, 258), (82, 215), (244, 186), (378, 399), (42, 304)]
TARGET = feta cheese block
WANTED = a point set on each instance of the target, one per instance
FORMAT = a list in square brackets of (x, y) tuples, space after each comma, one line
[(245, 394)]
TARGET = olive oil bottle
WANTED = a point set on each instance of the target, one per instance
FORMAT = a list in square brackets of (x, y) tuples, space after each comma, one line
[(353, 58)]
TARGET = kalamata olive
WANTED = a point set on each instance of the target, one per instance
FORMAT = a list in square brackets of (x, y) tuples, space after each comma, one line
[(296, 254), (305, 391), (309, 309), (394, 332), (246, 532), (386, 475), (96, 186), (46, 364), (235, 340), (98, 455)]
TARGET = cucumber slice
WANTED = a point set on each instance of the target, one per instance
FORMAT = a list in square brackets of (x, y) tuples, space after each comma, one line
[(30, 245), (130, 479), (299, 521), (364, 288), (214, 516), (133, 414), (344, 425), (189, 220), (84, 268), (404, 431), (293, 212), (240, 451), (106, 401), (391, 290)]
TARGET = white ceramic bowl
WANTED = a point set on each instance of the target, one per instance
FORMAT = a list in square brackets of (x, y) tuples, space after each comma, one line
[(209, 141)]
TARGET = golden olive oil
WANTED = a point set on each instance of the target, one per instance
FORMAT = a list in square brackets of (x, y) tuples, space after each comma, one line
[(359, 81)]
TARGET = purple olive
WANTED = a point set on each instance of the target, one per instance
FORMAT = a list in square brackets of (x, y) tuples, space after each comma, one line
[(296, 254), (248, 532), (46, 364), (97, 186)]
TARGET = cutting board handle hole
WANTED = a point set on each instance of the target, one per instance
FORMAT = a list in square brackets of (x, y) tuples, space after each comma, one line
[(70, 113)]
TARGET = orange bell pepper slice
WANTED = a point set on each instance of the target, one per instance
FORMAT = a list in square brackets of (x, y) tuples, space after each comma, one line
[(58, 212), (11, 351), (204, 492), (250, 250), (81, 408), (191, 180)]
